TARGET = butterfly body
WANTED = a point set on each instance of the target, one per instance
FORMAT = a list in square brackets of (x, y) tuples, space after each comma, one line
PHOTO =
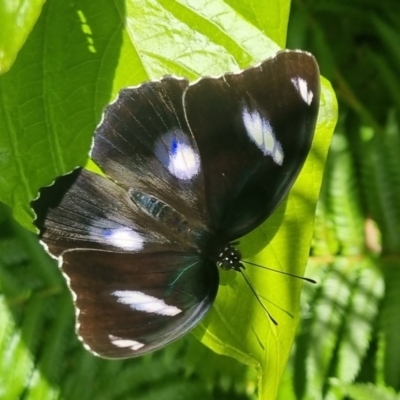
[(190, 168)]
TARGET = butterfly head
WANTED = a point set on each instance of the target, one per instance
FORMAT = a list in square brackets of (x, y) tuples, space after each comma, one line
[(230, 258)]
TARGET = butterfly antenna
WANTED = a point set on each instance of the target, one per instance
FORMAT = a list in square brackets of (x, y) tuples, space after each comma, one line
[(258, 298), (282, 272), (276, 305)]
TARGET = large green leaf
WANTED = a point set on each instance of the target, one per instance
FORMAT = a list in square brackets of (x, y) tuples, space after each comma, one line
[(17, 19), (237, 325), (75, 61)]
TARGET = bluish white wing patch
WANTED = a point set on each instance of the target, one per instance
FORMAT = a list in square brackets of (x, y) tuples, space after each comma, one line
[(261, 133), (125, 343), (302, 87), (142, 302), (178, 154), (184, 162), (124, 238)]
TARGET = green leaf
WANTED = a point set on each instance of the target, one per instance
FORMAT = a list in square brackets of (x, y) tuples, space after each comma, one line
[(75, 61), (390, 323), (237, 325), (17, 20), (344, 205), (367, 391)]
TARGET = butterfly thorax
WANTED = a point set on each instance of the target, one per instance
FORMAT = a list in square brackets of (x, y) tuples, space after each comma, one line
[(230, 258), (159, 210), (175, 221)]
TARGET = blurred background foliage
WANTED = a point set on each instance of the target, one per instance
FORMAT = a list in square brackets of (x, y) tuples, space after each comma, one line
[(348, 344)]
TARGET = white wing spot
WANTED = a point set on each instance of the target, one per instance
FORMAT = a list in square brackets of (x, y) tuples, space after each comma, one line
[(143, 302), (125, 343), (302, 87), (261, 133), (124, 238), (184, 162)]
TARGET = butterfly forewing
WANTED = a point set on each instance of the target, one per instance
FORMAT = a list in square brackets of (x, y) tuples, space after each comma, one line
[(263, 122), (83, 210), (144, 143)]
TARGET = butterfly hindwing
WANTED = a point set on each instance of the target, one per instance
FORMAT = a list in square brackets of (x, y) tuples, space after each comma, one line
[(130, 304)]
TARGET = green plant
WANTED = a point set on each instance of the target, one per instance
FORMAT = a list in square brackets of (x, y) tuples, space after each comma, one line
[(348, 343), (73, 63)]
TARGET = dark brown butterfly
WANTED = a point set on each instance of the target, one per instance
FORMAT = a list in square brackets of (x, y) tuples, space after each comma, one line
[(189, 168)]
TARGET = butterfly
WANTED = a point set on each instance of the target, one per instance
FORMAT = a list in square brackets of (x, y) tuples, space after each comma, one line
[(188, 168)]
